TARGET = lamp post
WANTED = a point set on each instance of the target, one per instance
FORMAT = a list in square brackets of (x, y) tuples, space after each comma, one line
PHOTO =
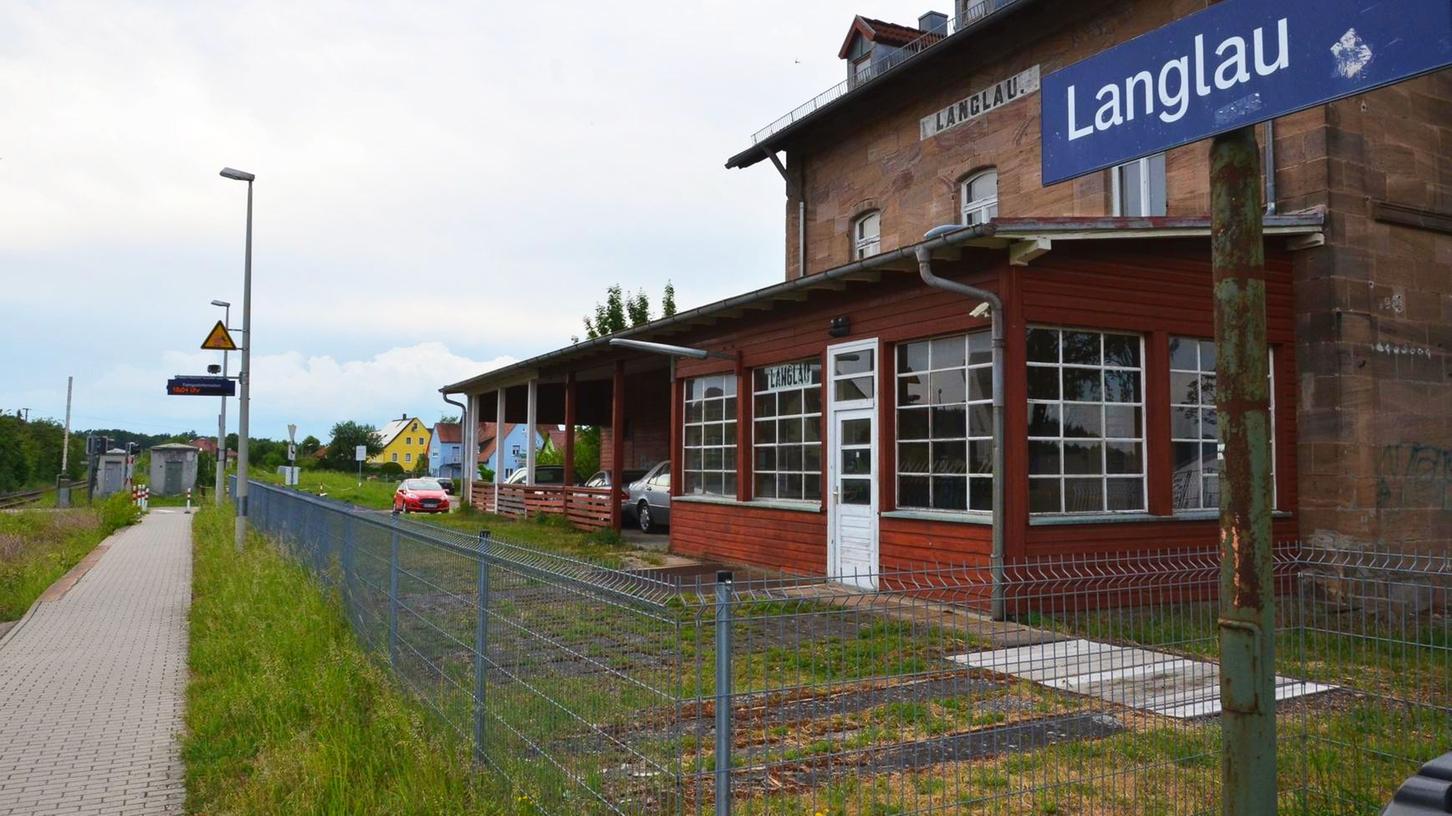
[(244, 372), (222, 417)]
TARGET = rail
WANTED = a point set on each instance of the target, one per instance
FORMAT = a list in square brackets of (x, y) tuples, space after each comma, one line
[(20, 498), (973, 14)]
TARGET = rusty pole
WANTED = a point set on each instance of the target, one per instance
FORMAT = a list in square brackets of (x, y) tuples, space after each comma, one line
[(1242, 401)]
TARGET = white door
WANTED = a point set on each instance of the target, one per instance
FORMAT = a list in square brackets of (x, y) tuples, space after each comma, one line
[(852, 464)]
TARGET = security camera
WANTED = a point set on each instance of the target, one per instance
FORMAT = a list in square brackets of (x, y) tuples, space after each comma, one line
[(979, 310)]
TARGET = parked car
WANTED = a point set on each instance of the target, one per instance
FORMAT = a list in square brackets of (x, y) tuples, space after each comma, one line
[(648, 499), (602, 477), (420, 496), (447, 484), (543, 475)]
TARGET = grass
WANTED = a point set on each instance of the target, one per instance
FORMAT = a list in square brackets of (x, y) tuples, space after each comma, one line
[(287, 714), (376, 494), (39, 546)]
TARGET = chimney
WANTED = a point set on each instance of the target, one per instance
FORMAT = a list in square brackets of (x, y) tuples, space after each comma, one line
[(933, 21)]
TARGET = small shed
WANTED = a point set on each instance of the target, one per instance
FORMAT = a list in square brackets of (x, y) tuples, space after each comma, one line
[(173, 469), (111, 472)]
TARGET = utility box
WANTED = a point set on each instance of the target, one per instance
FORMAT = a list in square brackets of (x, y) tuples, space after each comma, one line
[(111, 472), (173, 469)]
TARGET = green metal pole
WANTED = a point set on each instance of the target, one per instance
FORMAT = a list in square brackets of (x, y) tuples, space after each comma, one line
[(1242, 401)]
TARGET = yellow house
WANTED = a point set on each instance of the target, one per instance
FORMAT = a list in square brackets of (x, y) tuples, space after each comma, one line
[(405, 442)]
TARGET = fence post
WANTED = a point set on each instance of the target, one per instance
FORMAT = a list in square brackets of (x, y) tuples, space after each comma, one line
[(393, 596), (481, 648), (723, 693)]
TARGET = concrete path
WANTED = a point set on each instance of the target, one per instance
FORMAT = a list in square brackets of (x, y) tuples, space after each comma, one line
[(1156, 682), (92, 682)]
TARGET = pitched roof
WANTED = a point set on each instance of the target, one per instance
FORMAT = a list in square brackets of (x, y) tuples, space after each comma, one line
[(390, 432), (881, 31), (449, 432)]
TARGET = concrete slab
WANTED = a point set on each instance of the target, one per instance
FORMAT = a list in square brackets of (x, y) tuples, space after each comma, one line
[(1143, 679)]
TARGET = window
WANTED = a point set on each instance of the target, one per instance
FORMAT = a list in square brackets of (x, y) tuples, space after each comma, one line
[(973, 9), (394, 457), (979, 196), (866, 235), (1086, 422), (1139, 187), (862, 68), (786, 431), (408, 457), (945, 423), (408, 440), (1195, 483), (710, 435)]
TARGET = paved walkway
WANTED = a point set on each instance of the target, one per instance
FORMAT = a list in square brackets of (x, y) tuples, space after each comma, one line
[(92, 683)]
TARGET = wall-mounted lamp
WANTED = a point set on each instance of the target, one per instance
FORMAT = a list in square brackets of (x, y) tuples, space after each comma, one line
[(839, 327)]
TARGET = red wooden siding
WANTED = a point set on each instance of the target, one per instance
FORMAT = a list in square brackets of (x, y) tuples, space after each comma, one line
[(1156, 288), (793, 541)]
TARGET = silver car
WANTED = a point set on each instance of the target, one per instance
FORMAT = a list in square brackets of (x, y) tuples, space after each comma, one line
[(648, 498)]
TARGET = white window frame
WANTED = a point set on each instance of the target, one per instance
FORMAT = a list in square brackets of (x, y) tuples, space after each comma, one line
[(863, 245), (1175, 405), (981, 210), (394, 456), (772, 449), (1146, 185), (1104, 476), (707, 418), (973, 342)]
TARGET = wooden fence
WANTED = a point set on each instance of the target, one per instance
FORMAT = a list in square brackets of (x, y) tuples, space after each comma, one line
[(587, 508)]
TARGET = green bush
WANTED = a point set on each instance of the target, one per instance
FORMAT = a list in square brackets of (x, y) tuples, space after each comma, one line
[(390, 469), (118, 511)]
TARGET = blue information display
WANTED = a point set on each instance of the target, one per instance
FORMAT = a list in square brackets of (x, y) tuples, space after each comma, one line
[(1234, 64), (201, 387)]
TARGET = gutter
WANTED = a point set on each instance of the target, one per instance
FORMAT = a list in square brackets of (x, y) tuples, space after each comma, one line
[(995, 308), (466, 423)]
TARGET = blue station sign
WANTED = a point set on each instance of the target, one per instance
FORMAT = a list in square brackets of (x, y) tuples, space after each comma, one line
[(201, 387), (1236, 63)]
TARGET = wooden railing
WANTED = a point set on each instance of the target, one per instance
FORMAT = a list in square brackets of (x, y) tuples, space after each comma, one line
[(587, 508)]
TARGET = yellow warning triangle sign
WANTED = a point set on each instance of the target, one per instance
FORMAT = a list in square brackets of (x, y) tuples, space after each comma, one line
[(218, 339)]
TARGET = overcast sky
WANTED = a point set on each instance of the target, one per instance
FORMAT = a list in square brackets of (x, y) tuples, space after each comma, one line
[(441, 187)]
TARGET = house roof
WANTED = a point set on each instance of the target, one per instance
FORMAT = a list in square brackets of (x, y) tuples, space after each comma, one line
[(881, 31), (174, 446), (390, 432), (777, 135), (449, 432), (1000, 233)]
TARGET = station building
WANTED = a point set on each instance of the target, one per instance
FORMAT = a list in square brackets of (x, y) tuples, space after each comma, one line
[(841, 421)]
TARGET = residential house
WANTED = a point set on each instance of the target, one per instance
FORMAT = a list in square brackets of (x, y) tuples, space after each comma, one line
[(405, 442)]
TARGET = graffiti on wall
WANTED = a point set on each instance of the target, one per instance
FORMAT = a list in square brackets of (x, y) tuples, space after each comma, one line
[(1410, 474)]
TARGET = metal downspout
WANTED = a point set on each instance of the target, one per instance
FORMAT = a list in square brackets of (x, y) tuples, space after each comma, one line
[(995, 305), (466, 436), (1270, 167)]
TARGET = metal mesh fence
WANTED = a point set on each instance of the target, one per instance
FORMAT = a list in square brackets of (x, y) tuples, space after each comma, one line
[(592, 689)]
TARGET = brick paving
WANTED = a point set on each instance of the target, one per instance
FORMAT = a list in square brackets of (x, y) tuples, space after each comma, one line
[(92, 684)]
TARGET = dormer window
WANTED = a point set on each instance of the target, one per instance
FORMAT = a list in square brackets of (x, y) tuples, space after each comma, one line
[(867, 235), (979, 197), (862, 68)]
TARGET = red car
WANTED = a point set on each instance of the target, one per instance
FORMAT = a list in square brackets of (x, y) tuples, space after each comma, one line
[(420, 496)]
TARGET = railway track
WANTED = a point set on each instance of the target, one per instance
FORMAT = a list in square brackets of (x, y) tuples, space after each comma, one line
[(23, 497)]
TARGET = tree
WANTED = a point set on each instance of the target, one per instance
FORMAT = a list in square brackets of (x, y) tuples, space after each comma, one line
[(449, 419), (609, 316), (638, 309), (668, 300), (309, 445), (346, 436), (421, 467)]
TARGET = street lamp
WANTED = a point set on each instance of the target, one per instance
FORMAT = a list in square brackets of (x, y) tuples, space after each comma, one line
[(244, 373), (222, 417)]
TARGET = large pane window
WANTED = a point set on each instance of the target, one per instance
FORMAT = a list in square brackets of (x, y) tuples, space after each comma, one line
[(710, 436), (945, 423), (867, 235), (786, 431), (1139, 187), (1086, 421), (979, 197), (1194, 429)]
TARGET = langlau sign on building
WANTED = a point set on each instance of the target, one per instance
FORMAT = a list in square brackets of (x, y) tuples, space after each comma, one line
[(1237, 63)]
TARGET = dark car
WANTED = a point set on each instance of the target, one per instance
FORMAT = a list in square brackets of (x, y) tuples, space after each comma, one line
[(602, 477), (543, 475), (420, 496), (648, 498), (447, 484)]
